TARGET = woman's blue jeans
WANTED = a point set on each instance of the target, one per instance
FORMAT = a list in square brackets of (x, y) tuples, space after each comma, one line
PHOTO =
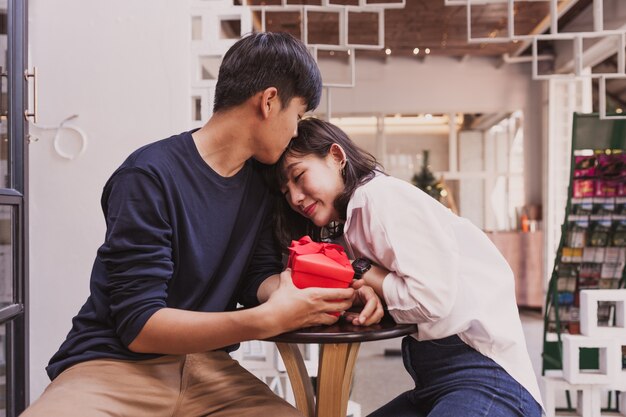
[(454, 380)]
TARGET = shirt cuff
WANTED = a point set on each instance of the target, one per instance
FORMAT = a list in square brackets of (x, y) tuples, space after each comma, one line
[(390, 291), (395, 294)]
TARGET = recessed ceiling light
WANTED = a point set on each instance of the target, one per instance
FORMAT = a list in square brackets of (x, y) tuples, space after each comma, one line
[(416, 51), (427, 51), (388, 51)]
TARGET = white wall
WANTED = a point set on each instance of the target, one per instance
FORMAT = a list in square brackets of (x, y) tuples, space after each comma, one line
[(123, 67), (410, 146)]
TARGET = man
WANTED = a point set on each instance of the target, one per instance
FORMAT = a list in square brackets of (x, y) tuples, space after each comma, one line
[(188, 237)]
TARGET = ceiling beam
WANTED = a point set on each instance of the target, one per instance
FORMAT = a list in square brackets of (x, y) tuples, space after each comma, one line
[(612, 96), (573, 13), (506, 59), (544, 25), (485, 121), (621, 92), (594, 55)]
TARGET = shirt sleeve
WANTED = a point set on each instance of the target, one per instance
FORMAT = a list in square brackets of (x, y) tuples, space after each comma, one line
[(265, 262), (410, 238), (137, 252)]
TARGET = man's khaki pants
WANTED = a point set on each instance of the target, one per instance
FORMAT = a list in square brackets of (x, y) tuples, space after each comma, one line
[(204, 384)]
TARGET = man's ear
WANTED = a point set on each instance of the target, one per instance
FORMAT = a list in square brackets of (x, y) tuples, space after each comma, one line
[(269, 101), (338, 154)]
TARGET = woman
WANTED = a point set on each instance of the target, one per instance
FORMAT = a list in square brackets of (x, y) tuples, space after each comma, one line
[(429, 266)]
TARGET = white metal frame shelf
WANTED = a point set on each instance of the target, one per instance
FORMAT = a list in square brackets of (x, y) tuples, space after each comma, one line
[(577, 39)]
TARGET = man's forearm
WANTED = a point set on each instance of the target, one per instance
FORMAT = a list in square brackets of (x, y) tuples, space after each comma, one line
[(174, 332), (283, 308)]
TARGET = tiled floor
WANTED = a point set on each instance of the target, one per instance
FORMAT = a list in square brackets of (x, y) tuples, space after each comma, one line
[(379, 378)]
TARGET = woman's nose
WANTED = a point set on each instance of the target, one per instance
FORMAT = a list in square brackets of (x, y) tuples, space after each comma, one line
[(296, 197)]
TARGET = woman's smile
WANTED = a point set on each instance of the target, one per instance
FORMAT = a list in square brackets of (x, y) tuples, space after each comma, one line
[(308, 210)]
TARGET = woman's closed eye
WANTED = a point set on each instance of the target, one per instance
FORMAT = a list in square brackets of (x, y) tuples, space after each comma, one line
[(296, 178)]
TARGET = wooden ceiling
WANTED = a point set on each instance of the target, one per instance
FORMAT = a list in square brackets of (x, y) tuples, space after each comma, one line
[(420, 24), (442, 29)]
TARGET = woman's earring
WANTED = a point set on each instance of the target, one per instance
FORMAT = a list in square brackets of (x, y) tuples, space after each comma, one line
[(343, 168)]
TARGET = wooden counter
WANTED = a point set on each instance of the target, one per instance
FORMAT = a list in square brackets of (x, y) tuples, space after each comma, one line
[(524, 253)]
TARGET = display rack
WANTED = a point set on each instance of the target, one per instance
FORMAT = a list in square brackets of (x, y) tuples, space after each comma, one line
[(592, 249)]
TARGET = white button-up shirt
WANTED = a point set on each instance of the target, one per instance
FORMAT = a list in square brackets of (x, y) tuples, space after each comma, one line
[(446, 275)]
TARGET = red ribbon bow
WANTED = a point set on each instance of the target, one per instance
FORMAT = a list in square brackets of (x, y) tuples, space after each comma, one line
[(306, 246)]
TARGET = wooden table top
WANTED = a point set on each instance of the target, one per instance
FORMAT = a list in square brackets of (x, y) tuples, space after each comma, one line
[(345, 332)]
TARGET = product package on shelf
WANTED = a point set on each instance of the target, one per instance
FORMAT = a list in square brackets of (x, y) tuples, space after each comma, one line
[(582, 206), (593, 250)]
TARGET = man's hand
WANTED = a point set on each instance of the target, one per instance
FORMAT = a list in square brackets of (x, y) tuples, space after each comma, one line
[(366, 297), (289, 308)]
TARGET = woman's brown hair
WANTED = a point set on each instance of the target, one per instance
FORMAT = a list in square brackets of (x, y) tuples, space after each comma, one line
[(315, 137)]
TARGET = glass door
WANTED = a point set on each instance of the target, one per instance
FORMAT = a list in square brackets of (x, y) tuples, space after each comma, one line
[(13, 208)]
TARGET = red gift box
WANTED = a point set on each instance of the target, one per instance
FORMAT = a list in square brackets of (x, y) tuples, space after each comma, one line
[(316, 264)]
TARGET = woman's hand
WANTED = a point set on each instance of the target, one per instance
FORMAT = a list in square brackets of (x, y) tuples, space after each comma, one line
[(366, 297)]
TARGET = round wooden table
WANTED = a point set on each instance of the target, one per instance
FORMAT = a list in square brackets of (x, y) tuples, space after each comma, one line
[(338, 351)]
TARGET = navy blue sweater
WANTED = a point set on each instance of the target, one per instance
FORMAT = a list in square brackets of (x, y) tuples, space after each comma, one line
[(178, 235)]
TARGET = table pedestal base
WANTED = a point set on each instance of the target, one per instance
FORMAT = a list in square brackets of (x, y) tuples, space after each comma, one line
[(334, 380)]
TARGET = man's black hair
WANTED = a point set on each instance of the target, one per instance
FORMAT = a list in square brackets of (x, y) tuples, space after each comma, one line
[(269, 59)]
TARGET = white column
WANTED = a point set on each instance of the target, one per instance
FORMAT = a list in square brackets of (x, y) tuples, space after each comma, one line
[(381, 141), (453, 165)]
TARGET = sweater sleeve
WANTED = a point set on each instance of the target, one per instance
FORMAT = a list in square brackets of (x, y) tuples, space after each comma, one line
[(265, 261), (411, 239), (137, 252)]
